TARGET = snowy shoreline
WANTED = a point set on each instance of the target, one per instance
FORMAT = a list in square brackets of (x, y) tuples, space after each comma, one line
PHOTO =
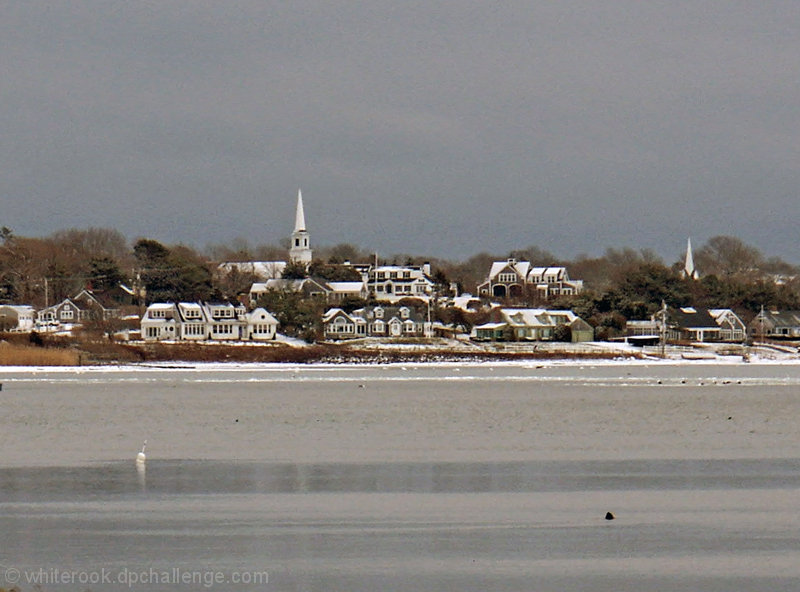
[(519, 363)]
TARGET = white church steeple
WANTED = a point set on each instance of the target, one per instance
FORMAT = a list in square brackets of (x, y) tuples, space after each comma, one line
[(688, 267), (300, 251), (300, 216)]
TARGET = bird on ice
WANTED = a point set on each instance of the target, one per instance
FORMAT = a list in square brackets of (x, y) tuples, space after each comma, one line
[(141, 457)]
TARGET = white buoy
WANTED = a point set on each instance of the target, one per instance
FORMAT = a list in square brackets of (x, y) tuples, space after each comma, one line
[(141, 457)]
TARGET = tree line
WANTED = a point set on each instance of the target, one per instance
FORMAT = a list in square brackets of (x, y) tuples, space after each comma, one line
[(621, 284)]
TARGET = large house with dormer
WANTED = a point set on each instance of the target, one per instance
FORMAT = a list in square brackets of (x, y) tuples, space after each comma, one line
[(376, 321), (515, 279), (391, 283), (85, 306), (197, 321)]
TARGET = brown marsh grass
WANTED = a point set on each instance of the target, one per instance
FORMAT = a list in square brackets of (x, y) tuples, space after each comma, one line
[(27, 355)]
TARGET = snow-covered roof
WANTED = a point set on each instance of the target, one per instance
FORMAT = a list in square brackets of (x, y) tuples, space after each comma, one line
[(330, 313), (161, 306), (346, 286), (520, 267), (261, 315), (490, 326), (532, 317), (463, 302)]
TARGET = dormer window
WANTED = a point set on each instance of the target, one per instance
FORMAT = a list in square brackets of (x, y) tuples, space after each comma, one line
[(378, 313), (404, 312), (507, 278)]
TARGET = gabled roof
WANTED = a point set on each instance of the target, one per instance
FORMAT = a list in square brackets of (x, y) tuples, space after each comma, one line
[(521, 268), (184, 307), (692, 318), (537, 317), (346, 286), (332, 313), (389, 313), (261, 315), (784, 318), (286, 285), (558, 272)]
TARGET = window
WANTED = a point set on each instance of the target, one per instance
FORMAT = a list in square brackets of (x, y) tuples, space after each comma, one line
[(262, 329), (378, 313), (507, 278), (193, 329), (153, 332)]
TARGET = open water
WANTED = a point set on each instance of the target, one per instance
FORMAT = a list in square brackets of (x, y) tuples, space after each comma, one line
[(402, 478)]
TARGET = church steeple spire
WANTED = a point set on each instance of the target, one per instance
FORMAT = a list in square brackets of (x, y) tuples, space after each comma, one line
[(300, 251), (688, 266), (300, 216)]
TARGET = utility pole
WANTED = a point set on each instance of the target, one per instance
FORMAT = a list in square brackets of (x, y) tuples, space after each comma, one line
[(662, 328)]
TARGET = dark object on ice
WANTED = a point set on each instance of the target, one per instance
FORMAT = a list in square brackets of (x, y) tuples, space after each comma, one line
[(610, 516)]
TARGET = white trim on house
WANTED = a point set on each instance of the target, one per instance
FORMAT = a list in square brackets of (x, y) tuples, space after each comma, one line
[(195, 321)]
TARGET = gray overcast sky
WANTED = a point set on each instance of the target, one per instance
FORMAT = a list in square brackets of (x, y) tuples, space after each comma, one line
[(441, 128)]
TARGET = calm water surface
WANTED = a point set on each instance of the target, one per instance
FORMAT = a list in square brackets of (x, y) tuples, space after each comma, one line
[(357, 520)]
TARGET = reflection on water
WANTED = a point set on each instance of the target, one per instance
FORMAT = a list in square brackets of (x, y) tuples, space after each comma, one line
[(215, 477), (710, 525)]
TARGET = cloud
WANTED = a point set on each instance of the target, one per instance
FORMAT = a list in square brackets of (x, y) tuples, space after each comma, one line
[(445, 129)]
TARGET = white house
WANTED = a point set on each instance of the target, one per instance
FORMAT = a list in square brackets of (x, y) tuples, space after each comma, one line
[(260, 326), (394, 282), (160, 322), (14, 317), (195, 321), (224, 321)]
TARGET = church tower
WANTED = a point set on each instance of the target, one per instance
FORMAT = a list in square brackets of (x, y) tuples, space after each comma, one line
[(300, 252)]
